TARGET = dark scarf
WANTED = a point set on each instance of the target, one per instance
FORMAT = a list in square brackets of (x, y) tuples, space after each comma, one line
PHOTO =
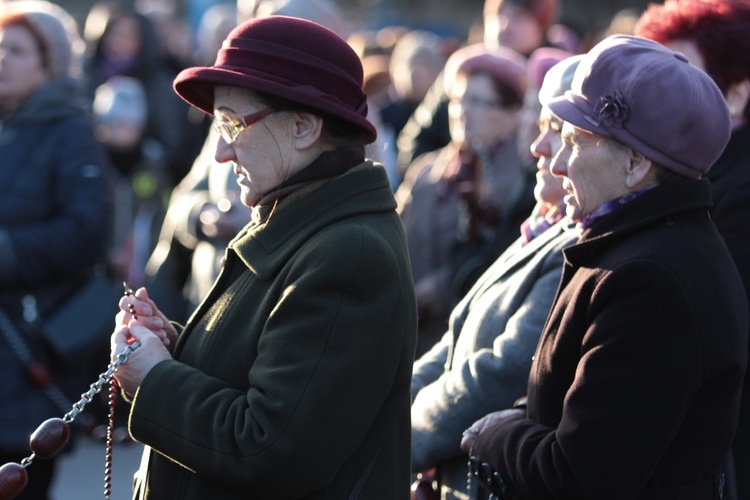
[(328, 164)]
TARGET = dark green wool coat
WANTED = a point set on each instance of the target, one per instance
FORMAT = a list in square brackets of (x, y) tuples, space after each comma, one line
[(293, 376)]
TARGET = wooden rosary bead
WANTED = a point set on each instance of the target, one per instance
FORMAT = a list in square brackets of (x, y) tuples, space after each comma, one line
[(49, 438), (13, 479)]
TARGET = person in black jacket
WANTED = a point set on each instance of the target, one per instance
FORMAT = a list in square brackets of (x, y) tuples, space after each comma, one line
[(713, 35)]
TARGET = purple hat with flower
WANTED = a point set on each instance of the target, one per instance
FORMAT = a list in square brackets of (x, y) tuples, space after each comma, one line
[(651, 99)]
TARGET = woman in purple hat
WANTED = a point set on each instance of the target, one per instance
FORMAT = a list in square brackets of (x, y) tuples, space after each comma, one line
[(634, 390), (291, 379)]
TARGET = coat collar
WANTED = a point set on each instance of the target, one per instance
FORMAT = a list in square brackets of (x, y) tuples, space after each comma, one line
[(660, 205), (265, 247)]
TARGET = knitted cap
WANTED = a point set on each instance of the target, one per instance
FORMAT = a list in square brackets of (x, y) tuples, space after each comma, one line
[(120, 99), (293, 59), (56, 28), (651, 99)]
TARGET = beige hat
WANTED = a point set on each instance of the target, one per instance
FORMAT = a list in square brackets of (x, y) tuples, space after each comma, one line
[(56, 28)]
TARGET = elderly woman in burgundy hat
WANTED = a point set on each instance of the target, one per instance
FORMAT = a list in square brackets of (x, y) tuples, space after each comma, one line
[(634, 390), (291, 380)]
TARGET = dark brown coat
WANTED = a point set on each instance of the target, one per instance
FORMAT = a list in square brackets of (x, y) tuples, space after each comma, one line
[(634, 392)]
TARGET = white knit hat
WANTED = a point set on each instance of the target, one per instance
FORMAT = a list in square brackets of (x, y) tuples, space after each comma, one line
[(56, 28), (120, 99)]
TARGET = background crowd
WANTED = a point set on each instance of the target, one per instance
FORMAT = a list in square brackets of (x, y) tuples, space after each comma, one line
[(127, 176)]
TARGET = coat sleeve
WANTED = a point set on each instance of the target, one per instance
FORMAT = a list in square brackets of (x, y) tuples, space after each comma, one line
[(632, 387), (331, 359), (489, 380)]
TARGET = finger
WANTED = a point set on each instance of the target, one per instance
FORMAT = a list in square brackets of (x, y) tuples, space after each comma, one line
[(153, 323), (469, 436), (156, 330), (133, 305), (119, 341), (142, 334), (467, 442), (142, 294)]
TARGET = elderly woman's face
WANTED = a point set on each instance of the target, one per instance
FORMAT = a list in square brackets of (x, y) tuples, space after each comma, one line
[(259, 151), (548, 188), (476, 114), (592, 174), (21, 66)]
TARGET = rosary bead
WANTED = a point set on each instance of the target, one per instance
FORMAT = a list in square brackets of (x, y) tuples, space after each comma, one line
[(49, 438), (13, 479)]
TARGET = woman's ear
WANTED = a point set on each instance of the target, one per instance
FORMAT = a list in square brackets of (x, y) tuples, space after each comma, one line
[(737, 97), (639, 170), (307, 129)]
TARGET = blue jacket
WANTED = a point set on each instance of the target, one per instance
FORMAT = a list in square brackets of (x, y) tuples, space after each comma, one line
[(55, 208)]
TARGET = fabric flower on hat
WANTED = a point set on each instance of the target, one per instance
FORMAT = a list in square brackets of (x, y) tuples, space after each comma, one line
[(612, 109)]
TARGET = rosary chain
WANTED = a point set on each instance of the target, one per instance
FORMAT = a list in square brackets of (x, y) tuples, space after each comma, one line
[(94, 389)]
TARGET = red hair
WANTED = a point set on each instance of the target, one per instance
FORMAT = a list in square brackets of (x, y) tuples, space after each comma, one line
[(720, 30)]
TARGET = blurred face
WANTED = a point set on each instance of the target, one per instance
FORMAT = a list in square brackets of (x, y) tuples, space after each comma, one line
[(123, 39), (591, 174), (476, 114), (515, 28), (119, 136), (548, 189), (21, 65), (421, 75), (259, 152)]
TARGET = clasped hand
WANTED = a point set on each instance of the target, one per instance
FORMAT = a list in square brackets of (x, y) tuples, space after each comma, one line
[(489, 420), (140, 320)]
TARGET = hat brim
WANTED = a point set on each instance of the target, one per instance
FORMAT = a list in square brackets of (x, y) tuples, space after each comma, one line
[(196, 87), (574, 109)]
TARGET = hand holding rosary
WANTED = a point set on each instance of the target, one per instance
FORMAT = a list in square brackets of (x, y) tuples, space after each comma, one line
[(53, 434)]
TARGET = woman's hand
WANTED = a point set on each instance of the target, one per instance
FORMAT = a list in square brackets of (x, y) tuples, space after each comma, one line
[(489, 420), (151, 352), (139, 309)]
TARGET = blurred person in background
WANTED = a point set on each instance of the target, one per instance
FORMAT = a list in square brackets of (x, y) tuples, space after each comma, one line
[(414, 65), (142, 189), (482, 362), (519, 25), (462, 204), (55, 209), (124, 42), (715, 36)]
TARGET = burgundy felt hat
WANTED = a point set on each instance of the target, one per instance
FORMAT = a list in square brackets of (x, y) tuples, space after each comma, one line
[(286, 57), (651, 99)]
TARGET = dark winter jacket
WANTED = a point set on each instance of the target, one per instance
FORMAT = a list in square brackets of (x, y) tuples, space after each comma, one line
[(292, 378), (635, 387)]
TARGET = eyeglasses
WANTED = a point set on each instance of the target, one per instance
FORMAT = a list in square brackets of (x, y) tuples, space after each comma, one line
[(229, 130)]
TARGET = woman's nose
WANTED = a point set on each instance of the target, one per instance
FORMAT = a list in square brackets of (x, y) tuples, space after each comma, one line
[(540, 147), (558, 167), (224, 152)]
